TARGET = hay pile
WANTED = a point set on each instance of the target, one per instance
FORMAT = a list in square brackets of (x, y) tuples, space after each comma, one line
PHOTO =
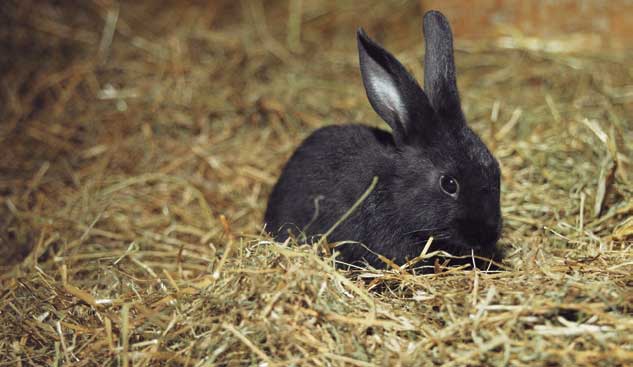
[(139, 143)]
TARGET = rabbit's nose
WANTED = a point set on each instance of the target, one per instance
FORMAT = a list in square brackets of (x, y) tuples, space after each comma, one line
[(482, 231), (494, 233), (493, 224)]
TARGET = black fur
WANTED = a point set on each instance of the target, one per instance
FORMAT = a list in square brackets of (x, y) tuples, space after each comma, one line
[(335, 165)]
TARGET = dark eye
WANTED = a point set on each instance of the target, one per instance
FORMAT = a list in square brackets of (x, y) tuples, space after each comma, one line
[(449, 185)]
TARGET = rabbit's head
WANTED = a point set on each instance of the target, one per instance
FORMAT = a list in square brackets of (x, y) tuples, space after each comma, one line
[(445, 180)]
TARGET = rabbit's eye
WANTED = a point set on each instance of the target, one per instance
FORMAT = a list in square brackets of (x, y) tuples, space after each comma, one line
[(449, 185)]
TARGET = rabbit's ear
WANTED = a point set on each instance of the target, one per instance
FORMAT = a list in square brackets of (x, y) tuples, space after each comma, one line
[(440, 82), (392, 91)]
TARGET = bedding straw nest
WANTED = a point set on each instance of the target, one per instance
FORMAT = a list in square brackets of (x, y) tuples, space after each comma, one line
[(139, 143)]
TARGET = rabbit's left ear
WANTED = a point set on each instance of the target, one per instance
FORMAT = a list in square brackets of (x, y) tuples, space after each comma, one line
[(392, 91), (440, 82)]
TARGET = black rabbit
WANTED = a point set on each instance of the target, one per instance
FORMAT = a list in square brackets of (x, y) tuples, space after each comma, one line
[(435, 176)]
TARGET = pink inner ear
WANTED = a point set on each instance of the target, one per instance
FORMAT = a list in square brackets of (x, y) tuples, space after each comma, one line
[(389, 95)]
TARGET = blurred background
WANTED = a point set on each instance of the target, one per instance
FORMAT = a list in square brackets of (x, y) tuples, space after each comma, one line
[(553, 25)]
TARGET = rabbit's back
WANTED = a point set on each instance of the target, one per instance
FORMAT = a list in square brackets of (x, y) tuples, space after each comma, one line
[(327, 173)]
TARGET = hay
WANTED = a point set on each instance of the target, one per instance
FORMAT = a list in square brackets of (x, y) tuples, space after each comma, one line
[(139, 143)]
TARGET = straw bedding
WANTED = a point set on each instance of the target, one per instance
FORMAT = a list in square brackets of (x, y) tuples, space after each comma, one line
[(139, 143)]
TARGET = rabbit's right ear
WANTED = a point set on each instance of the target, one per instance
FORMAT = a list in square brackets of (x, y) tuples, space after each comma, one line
[(440, 81), (392, 91)]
